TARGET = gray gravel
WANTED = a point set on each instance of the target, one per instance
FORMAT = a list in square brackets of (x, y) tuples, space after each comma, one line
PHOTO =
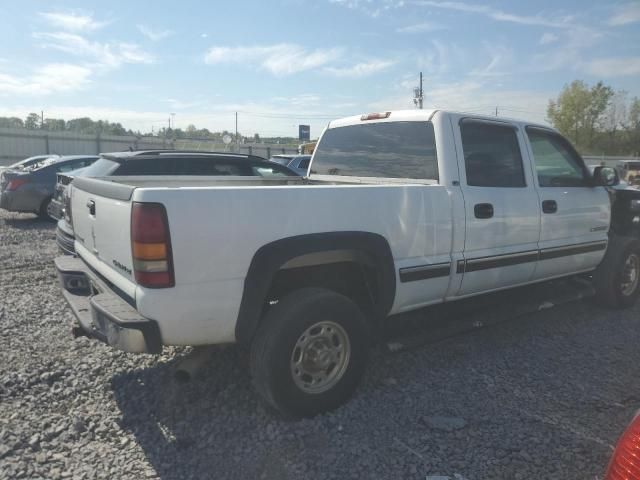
[(542, 397)]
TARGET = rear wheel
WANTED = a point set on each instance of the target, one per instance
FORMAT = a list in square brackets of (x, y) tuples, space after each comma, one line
[(44, 206), (617, 278), (310, 352)]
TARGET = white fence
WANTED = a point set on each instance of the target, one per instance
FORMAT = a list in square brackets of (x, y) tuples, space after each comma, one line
[(17, 144)]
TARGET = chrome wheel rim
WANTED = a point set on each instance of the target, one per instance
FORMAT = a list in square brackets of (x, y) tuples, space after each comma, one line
[(320, 357), (630, 274)]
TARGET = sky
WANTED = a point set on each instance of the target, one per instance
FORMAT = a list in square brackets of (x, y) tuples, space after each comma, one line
[(281, 64)]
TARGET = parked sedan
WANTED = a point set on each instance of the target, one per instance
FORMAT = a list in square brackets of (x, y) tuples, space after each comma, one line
[(161, 162), (296, 163), (28, 162), (30, 189)]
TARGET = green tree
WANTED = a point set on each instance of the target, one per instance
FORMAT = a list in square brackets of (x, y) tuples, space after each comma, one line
[(54, 124), (11, 122), (633, 127), (579, 111), (32, 121)]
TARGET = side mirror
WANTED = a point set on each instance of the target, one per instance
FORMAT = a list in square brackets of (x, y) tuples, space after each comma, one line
[(605, 176)]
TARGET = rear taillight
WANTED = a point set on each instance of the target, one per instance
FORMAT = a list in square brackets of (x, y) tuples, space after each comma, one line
[(151, 246), (16, 183), (625, 462)]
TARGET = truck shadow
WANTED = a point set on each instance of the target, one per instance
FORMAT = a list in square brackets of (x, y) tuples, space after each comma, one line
[(216, 426), (183, 427)]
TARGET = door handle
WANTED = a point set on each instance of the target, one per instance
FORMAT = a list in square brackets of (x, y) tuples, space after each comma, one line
[(91, 205), (483, 210), (549, 206)]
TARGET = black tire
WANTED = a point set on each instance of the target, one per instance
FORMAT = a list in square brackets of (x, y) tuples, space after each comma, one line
[(611, 275), (272, 351), (44, 206)]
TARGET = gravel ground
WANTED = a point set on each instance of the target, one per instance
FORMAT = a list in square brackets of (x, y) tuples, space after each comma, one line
[(543, 397)]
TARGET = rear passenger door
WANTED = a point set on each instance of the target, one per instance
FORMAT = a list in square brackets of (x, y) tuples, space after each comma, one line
[(502, 214), (575, 214)]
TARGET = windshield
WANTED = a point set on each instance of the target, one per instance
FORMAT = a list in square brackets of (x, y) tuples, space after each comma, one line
[(386, 149)]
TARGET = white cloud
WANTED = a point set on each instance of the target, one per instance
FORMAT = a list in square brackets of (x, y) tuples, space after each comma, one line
[(613, 67), (280, 59), (50, 78), (548, 38), (421, 28), (154, 35), (474, 96), (495, 14), (500, 61), (204, 35), (625, 14), (372, 8), (360, 69), (110, 55), (73, 21)]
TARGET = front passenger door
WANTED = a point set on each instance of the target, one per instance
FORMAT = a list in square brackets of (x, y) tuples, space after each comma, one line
[(575, 214)]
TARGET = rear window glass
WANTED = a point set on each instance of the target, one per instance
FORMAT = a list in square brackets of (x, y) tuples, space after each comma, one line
[(100, 168), (147, 166), (385, 149)]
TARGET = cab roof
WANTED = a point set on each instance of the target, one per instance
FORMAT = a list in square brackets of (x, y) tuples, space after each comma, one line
[(425, 115)]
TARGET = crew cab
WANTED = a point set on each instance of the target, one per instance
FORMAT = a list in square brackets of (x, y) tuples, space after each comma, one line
[(399, 211)]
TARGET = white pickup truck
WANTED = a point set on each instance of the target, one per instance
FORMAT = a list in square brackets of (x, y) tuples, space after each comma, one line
[(400, 210)]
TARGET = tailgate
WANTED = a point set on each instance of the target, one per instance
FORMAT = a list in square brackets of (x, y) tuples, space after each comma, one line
[(101, 214)]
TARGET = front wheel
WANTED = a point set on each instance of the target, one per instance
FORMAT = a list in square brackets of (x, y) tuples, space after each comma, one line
[(617, 278), (310, 352)]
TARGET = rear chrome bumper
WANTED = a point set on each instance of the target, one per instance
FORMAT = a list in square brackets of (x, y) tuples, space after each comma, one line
[(102, 313)]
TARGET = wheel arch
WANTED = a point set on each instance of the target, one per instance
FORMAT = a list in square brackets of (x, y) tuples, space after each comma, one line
[(313, 249)]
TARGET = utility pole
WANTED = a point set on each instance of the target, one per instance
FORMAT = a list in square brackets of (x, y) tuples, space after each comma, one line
[(236, 130), (173, 120), (41, 118), (496, 110), (418, 94)]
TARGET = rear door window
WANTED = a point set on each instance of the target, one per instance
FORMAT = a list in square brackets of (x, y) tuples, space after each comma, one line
[(384, 149), (492, 155)]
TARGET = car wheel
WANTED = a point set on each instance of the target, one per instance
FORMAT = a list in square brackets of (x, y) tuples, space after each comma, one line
[(310, 352), (44, 207), (617, 278)]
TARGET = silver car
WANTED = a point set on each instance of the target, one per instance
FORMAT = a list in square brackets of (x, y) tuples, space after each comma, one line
[(30, 189), (299, 164)]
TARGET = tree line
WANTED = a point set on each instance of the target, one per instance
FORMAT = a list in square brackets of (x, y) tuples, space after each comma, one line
[(597, 119), (86, 125)]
